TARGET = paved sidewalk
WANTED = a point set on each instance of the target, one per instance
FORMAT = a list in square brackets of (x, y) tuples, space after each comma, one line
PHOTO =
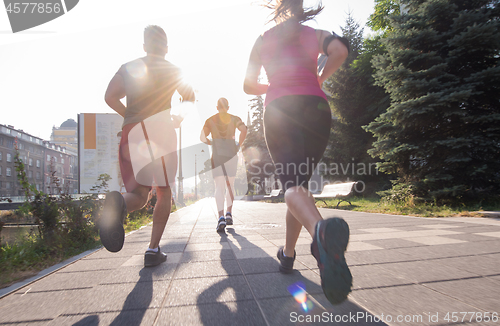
[(406, 268)]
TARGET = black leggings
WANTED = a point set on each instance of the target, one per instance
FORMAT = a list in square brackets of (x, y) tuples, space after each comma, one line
[(297, 129)]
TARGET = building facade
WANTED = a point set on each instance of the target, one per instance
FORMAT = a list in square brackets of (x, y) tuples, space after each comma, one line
[(41, 158), (66, 135)]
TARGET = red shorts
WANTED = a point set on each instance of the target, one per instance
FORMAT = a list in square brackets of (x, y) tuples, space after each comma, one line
[(127, 172)]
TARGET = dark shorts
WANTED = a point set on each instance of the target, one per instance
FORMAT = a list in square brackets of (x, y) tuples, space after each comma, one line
[(147, 175), (297, 129)]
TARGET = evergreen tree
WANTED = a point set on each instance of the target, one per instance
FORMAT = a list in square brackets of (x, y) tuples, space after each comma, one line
[(441, 134), (355, 102), (258, 160)]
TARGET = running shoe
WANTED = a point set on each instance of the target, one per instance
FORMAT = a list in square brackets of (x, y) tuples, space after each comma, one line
[(286, 263), (152, 258), (111, 222), (329, 244), (221, 225), (229, 219)]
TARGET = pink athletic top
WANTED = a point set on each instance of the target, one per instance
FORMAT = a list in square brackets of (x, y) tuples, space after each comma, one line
[(291, 64)]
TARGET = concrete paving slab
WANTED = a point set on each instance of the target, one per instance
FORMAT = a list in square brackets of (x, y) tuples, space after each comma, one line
[(208, 290), (287, 311), (96, 264), (137, 273), (483, 265), (393, 243), (225, 313), (201, 256), (118, 297), (481, 293), (273, 285), (24, 307), (375, 276), (417, 271), (411, 304), (126, 317), (207, 269)]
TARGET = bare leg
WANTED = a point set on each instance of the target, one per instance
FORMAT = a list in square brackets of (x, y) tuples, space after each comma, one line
[(301, 205), (220, 188), (160, 215), (293, 228), (229, 196)]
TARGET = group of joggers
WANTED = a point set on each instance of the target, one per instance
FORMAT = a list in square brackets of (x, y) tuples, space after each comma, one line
[(297, 121)]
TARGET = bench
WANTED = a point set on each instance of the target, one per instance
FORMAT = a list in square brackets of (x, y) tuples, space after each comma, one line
[(338, 191), (274, 193)]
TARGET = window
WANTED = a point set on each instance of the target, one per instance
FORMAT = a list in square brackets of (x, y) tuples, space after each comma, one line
[(38, 175), (37, 163), (1, 141), (48, 180), (9, 157), (8, 172), (55, 159), (0, 156), (7, 185), (62, 161), (48, 158), (30, 174), (0, 170), (31, 162)]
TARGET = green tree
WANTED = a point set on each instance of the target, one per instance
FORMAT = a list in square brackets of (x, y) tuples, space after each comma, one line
[(441, 134), (257, 158), (380, 20), (355, 102)]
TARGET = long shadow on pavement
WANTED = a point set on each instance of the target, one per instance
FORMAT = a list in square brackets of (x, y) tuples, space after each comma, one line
[(264, 297), (238, 310), (138, 300)]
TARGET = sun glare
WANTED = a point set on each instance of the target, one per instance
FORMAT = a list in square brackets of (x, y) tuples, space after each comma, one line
[(137, 69)]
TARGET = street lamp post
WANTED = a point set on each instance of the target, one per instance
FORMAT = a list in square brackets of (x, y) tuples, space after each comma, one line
[(195, 174), (180, 195), (195, 184)]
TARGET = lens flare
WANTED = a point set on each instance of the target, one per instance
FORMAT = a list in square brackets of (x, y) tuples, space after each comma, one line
[(143, 149), (137, 68), (252, 153), (298, 291)]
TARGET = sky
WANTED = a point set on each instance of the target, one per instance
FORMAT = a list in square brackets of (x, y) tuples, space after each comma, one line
[(55, 71)]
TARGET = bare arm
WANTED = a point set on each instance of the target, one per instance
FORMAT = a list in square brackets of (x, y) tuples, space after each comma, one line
[(251, 85), (115, 92), (204, 134), (243, 133), (337, 53)]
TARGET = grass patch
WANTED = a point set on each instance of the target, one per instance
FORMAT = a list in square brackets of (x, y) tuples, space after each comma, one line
[(375, 205), (30, 255)]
